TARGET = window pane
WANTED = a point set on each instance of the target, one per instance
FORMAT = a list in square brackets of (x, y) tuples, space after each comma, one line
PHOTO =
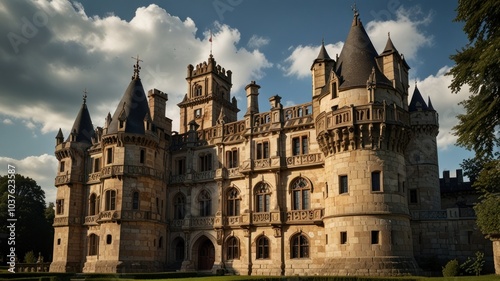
[(375, 181), (305, 199), (296, 199), (266, 150), (295, 146), (304, 145)]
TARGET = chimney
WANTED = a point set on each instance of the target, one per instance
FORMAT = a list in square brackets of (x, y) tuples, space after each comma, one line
[(252, 90)]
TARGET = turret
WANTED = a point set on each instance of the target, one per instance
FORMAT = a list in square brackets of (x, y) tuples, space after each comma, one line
[(421, 155), (320, 69), (209, 89), (394, 66)]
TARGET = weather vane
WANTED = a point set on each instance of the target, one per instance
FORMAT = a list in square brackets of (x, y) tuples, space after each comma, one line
[(85, 96), (354, 8), (137, 68)]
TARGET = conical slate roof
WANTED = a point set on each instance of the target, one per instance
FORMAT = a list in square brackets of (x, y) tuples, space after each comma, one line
[(389, 47), (82, 126), (131, 110), (322, 55), (417, 101), (358, 58)]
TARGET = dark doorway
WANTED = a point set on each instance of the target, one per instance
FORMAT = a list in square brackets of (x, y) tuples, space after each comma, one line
[(206, 255)]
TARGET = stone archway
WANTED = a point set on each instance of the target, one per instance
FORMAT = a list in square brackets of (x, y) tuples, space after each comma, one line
[(206, 254)]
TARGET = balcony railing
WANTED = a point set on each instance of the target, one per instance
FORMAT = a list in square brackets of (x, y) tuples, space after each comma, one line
[(304, 216)]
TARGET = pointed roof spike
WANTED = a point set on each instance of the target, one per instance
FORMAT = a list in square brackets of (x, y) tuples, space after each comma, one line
[(430, 107), (389, 46), (358, 58), (82, 127), (59, 134), (417, 102), (132, 109)]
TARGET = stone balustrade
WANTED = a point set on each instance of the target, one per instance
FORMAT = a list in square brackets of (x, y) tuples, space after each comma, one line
[(304, 216), (306, 159)]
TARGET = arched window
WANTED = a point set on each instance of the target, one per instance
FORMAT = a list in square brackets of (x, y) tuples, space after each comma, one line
[(300, 246), (205, 203), (262, 247), (93, 244), (233, 202), (93, 210), (197, 90), (179, 206), (262, 197), (301, 191), (233, 248), (135, 200), (110, 200)]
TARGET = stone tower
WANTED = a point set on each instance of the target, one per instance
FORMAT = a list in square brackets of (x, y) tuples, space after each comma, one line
[(363, 131), (208, 93), (421, 156), (72, 155)]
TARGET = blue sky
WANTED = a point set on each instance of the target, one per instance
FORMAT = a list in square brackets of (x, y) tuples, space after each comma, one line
[(51, 51)]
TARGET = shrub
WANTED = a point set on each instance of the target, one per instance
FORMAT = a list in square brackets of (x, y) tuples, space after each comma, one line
[(30, 257), (452, 268), (474, 266)]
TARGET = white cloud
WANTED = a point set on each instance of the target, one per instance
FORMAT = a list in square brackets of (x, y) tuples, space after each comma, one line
[(77, 51), (406, 35), (406, 32), (444, 102), (256, 42), (40, 168), (299, 62), (7, 121)]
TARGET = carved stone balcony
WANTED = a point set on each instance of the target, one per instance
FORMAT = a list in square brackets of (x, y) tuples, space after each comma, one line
[(94, 178), (68, 178), (120, 170), (91, 220), (312, 216), (108, 216), (266, 218)]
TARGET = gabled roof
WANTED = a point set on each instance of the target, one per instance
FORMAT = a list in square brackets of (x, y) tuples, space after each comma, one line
[(131, 110), (82, 126), (417, 102), (358, 58)]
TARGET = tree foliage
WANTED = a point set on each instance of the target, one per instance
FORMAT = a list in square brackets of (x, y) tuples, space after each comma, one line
[(32, 229), (477, 65)]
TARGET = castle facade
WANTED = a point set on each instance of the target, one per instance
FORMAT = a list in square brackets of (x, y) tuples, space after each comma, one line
[(347, 183)]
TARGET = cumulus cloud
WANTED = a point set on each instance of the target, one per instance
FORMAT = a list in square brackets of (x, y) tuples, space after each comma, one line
[(405, 31), (444, 102), (7, 121), (41, 168), (299, 62), (406, 34), (55, 50)]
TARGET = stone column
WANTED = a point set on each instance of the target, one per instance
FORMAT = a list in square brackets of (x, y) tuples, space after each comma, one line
[(496, 252)]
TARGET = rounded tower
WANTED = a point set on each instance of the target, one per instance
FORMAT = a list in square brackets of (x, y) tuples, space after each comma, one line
[(422, 157), (363, 137)]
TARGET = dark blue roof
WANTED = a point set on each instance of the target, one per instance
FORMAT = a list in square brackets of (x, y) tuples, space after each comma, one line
[(132, 109)]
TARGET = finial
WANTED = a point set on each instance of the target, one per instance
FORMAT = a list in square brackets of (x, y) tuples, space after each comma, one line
[(137, 68), (389, 34), (415, 82), (210, 43), (85, 96), (355, 9), (323, 41)]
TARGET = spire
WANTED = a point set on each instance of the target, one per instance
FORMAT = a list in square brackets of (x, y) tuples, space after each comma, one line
[(132, 108), (356, 21), (429, 103), (389, 46), (417, 102), (137, 68), (358, 58), (323, 54), (82, 130), (59, 137)]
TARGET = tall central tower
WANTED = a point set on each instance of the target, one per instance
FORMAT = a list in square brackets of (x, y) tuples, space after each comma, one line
[(363, 128), (209, 88)]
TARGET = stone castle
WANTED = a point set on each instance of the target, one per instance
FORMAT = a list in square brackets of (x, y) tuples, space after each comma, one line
[(347, 183)]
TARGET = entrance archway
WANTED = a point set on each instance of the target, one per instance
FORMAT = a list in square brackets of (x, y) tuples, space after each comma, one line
[(206, 255)]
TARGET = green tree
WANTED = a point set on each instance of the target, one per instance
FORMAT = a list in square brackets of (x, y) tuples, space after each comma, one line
[(477, 66), (32, 229)]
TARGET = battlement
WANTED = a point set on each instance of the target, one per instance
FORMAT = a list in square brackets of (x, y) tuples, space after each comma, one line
[(209, 66)]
